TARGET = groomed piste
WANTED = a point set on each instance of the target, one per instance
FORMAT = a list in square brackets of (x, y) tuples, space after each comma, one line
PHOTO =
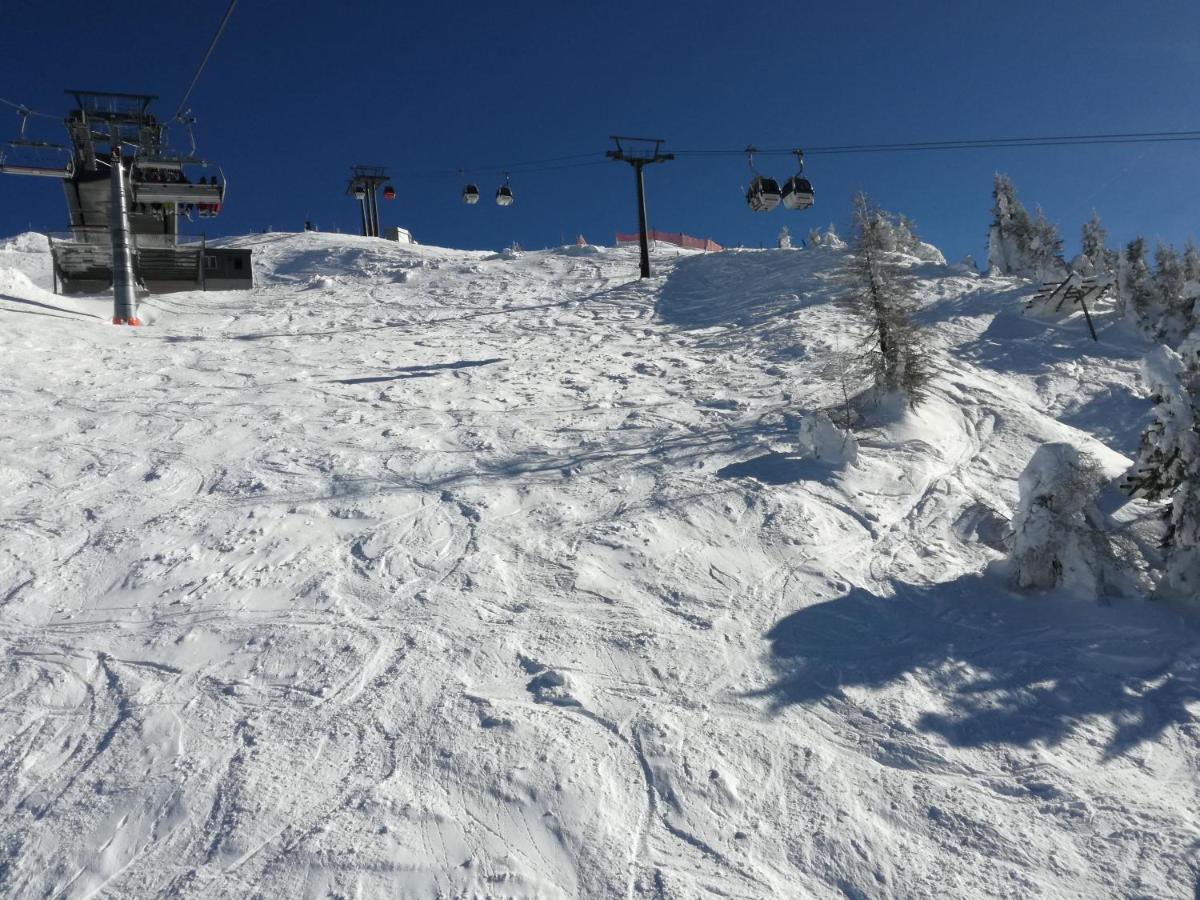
[(417, 572)]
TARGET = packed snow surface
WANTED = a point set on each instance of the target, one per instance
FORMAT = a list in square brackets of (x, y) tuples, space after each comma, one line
[(426, 573)]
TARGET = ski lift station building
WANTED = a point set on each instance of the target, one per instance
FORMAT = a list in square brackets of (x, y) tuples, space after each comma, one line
[(164, 186)]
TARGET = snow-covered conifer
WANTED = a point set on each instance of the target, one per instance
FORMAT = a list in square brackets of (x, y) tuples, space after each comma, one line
[(1191, 261), (1191, 286), (1045, 249), (1175, 320), (1058, 534), (906, 235), (1095, 258), (1168, 462), (1136, 284), (883, 299), (827, 238), (1011, 231)]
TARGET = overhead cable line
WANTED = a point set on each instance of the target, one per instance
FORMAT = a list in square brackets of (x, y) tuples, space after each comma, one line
[(512, 166), (212, 44), (1141, 137), (577, 160)]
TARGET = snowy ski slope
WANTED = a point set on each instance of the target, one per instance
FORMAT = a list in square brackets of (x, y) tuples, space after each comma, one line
[(426, 573)]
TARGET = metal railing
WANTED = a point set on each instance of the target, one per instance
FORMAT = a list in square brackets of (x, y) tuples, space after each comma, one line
[(102, 237), (86, 253)]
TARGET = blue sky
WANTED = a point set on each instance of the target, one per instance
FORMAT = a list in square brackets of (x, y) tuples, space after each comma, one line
[(296, 93)]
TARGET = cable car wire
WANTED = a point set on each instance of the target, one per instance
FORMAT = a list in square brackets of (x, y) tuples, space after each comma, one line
[(576, 160), (1137, 137), (204, 62), (500, 169)]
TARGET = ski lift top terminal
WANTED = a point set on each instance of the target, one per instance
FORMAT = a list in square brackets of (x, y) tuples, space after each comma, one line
[(162, 185)]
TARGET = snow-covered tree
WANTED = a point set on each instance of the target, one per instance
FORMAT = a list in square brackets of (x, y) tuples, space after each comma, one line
[(827, 238), (1191, 261), (881, 296), (1045, 249), (1095, 258), (1011, 231), (906, 235), (1136, 285), (1191, 286), (1168, 461), (1175, 318), (1058, 534)]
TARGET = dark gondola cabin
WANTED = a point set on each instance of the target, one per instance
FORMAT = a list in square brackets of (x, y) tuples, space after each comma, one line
[(763, 194), (797, 193)]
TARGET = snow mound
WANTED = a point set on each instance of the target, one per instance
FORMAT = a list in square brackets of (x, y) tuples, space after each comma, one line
[(28, 242), (818, 438), (14, 281), (18, 293)]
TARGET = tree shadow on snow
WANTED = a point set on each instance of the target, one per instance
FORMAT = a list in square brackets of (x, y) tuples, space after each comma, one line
[(1014, 342), (666, 445), (1008, 669), (778, 468), (419, 371), (973, 301), (740, 289), (1116, 416)]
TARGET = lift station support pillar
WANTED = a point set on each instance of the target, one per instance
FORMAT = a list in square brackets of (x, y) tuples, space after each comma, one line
[(364, 187), (643, 240), (124, 283)]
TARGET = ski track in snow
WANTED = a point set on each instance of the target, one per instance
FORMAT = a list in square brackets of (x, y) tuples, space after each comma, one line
[(426, 573)]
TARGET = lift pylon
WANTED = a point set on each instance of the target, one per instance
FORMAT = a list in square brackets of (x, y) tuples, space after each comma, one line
[(639, 159), (363, 186)]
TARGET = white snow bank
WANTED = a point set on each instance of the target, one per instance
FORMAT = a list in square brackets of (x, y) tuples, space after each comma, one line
[(18, 293), (28, 242), (30, 253), (818, 438)]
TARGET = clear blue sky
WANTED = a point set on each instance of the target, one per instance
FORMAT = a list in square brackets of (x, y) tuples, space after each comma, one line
[(296, 93)]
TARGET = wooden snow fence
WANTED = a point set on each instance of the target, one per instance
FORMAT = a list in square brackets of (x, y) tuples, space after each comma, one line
[(1076, 290)]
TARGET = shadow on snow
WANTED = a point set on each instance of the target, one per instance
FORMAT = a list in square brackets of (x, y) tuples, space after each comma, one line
[(425, 371), (778, 468), (1009, 669), (742, 289), (1019, 343)]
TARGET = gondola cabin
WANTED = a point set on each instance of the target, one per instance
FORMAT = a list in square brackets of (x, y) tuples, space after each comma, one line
[(797, 193), (763, 194)]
